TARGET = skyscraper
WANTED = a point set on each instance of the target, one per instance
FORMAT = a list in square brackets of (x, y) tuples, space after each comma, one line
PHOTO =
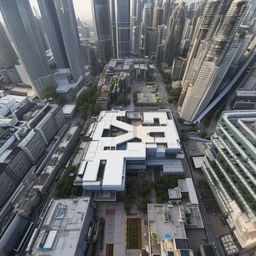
[(159, 46), (122, 9), (70, 35), (113, 27), (101, 17), (151, 42), (211, 55), (52, 26), (147, 15), (19, 19), (8, 57), (157, 17), (133, 8), (166, 7), (174, 33), (135, 44), (139, 10), (146, 22)]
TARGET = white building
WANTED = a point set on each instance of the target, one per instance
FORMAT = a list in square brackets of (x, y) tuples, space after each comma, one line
[(123, 140), (65, 230)]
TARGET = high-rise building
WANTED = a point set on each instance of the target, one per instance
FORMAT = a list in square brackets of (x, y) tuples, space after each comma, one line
[(139, 10), (147, 15), (157, 17), (84, 30), (19, 19), (41, 31), (159, 46), (103, 29), (8, 57), (178, 67), (174, 33), (52, 27), (123, 27), (212, 52), (68, 25), (135, 42), (146, 22), (113, 27), (151, 42), (166, 7), (133, 8), (229, 166)]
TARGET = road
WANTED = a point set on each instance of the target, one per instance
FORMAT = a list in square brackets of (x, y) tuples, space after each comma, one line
[(208, 228), (212, 239), (161, 86)]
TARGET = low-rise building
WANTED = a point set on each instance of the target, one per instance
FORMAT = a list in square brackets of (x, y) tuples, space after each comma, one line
[(27, 128), (104, 100), (166, 228), (65, 230), (123, 140), (229, 166), (185, 196), (33, 145), (118, 75), (69, 110)]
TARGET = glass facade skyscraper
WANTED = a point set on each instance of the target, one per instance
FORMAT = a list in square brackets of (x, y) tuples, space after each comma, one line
[(123, 27), (101, 16)]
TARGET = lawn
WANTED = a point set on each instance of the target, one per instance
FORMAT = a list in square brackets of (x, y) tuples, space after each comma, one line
[(133, 233)]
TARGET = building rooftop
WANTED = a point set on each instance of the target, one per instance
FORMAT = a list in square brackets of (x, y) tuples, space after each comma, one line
[(116, 140), (62, 227), (249, 84), (184, 186), (104, 95), (243, 124), (68, 109), (126, 64), (166, 221)]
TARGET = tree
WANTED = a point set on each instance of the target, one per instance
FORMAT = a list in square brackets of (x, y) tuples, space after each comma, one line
[(96, 109), (86, 102), (50, 92), (203, 134), (145, 188), (142, 206), (122, 101), (83, 110)]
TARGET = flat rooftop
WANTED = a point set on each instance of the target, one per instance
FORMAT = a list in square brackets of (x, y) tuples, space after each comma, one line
[(61, 228), (68, 109), (166, 221), (243, 124), (249, 84), (116, 140), (126, 64)]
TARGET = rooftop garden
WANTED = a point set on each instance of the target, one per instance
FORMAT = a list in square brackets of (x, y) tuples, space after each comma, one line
[(236, 181)]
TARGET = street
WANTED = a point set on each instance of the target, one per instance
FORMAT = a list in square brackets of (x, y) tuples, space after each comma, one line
[(213, 240)]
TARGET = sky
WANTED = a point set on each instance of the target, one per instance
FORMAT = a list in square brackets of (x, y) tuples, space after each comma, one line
[(82, 8)]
